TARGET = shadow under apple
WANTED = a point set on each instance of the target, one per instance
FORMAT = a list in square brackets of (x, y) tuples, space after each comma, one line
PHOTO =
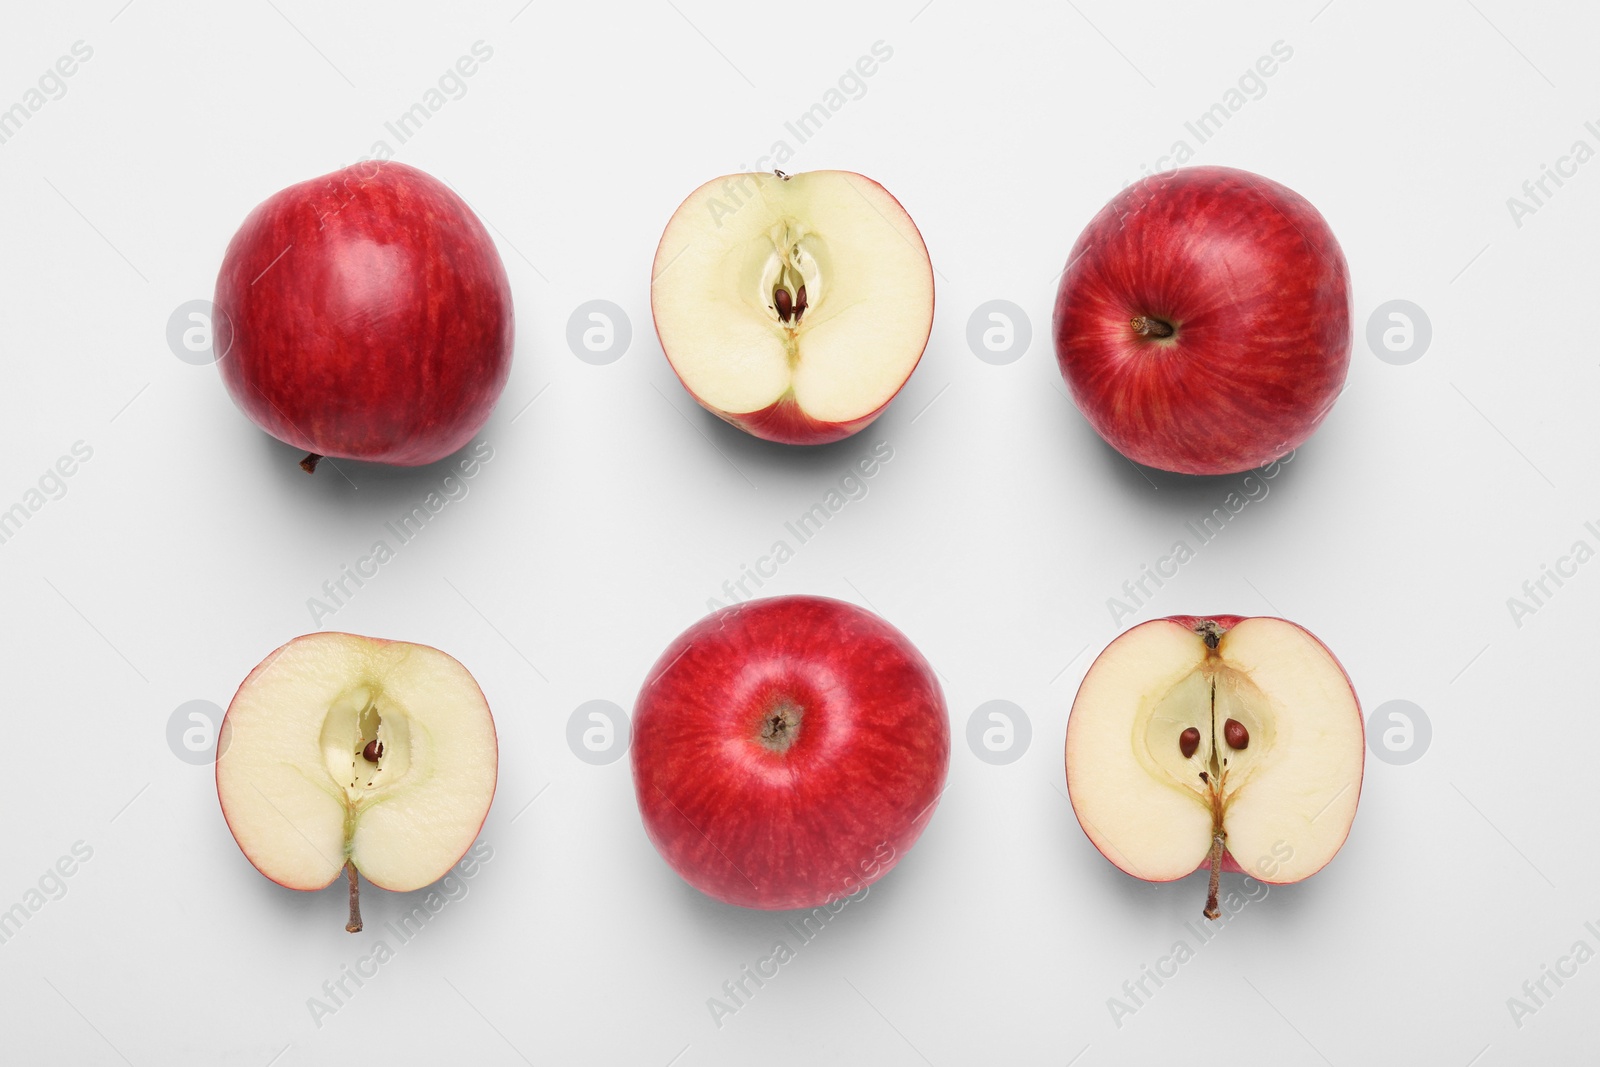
[(374, 488)]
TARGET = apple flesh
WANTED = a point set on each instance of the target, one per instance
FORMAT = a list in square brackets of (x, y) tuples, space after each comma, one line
[(365, 315), (1220, 743), (346, 753), (788, 751), (1203, 321), (793, 306)]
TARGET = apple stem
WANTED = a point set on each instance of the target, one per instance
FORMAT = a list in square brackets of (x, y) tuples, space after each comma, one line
[(309, 464), (1146, 326), (1211, 911), (354, 925)]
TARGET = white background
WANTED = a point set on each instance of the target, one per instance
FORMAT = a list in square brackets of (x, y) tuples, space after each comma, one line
[(186, 549)]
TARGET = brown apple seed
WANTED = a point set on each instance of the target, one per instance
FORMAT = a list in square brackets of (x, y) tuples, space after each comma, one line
[(374, 751), (1236, 735), (1188, 741), (781, 298)]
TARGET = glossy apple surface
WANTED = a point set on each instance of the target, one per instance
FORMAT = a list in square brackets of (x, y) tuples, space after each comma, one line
[(1203, 321), (793, 306), (1226, 743), (788, 751), (365, 315)]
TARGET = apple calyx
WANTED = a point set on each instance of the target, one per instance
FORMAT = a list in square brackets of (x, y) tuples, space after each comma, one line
[(780, 727), (309, 464), (1150, 326)]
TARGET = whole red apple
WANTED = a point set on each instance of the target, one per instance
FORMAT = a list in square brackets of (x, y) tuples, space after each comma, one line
[(365, 315), (1203, 321), (788, 751)]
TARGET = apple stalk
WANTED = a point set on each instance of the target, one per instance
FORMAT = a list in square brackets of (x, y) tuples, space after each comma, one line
[(354, 925), (1219, 836), (1145, 326)]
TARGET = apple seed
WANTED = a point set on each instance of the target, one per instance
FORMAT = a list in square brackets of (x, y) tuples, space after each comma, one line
[(780, 297), (374, 750), (1236, 735), (1188, 741)]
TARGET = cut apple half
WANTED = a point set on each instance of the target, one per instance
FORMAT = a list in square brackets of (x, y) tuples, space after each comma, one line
[(1225, 743), (345, 753), (793, 306)]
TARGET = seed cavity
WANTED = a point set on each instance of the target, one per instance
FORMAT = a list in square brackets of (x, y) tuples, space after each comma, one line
[(1236, 735), (1188, 741)]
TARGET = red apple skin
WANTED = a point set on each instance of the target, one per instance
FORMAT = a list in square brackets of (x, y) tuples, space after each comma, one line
[(783, 421), (365, 315), (762, 829), (223, 726), (1225, 623), (1255, 285)]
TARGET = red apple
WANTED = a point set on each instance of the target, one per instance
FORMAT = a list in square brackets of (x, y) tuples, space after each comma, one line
[(793, 306), (365, 315), (788, 751), (1203, 321), (1221, 743)]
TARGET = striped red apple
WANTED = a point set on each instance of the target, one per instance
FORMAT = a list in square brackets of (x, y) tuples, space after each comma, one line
[(1203, 321)]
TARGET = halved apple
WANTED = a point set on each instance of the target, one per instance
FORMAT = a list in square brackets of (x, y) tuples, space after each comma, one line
[(1226, 742), (794, 306), (357, 754)]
